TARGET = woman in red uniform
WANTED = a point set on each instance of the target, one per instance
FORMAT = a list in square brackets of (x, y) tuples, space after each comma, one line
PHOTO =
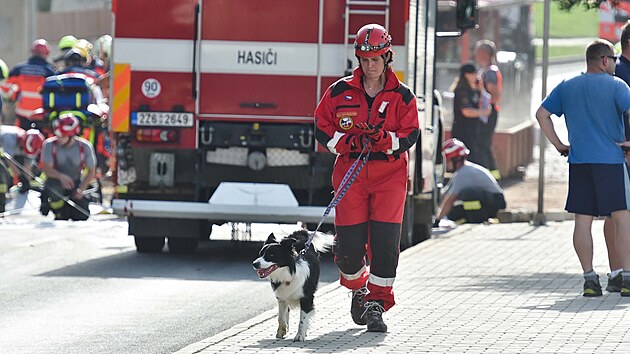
[(373, 108)]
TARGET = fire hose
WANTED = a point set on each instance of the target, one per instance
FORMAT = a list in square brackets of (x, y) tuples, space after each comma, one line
[(47, 188)]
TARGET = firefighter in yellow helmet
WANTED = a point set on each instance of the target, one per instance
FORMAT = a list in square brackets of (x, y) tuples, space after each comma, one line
[(84, 47), (4, 73), (4, 70), (65, 44)]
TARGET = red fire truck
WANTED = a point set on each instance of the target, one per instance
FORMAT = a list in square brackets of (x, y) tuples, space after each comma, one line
[(612, 16), (212, 110)]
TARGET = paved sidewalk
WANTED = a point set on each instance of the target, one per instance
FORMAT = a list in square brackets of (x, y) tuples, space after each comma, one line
[(477, 289)]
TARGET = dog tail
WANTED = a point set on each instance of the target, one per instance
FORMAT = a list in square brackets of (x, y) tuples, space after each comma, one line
[(323, 242)]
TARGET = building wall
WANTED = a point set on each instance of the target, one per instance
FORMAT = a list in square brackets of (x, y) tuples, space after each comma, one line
[(20, 24), (72, 5), (89, 24), (14, 31)]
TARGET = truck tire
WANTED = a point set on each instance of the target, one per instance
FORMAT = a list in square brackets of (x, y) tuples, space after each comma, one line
[(149, 244), (183, 234), (205, 230), (182, 245)]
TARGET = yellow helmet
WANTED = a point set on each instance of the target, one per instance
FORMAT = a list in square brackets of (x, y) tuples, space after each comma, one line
[(4, 70), (83, 46), (67, 42)]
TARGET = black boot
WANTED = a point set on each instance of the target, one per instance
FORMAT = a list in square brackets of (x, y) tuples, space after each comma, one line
[(357, 309), (44, 208), (374, 315)]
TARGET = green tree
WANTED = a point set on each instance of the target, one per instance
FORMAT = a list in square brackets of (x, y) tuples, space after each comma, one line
[(587, 4)]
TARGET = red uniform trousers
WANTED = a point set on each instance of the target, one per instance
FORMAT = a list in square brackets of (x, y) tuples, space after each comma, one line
[(368, 220)]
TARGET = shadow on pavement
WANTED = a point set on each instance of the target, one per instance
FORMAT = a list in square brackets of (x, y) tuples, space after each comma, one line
[(577, 304), (214, 260), (365, 340)]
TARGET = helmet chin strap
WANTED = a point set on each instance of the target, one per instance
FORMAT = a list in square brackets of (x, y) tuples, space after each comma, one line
[(388, 60)]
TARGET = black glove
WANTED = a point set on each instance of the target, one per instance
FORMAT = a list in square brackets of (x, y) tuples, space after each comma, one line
[(26, 184), (380, 138), (352, 143)]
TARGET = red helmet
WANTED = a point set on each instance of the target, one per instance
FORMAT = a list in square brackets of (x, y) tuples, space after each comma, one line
[(32, 142), (40, 47), (372, 41), (455, 148), (66, 125)]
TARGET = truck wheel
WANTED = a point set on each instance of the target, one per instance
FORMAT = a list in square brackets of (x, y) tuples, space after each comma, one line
[(205, 230), (182, 245), (149, 244)]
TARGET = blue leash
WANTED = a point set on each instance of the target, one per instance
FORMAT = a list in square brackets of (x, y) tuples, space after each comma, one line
[(346, 182)]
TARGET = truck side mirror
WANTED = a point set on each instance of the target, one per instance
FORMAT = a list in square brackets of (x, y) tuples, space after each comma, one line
[(466, 14)]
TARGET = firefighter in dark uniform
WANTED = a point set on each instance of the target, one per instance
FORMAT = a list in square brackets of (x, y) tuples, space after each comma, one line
[(371, 107), (15, 143), (24, 84), (472, 194), (70, 166)]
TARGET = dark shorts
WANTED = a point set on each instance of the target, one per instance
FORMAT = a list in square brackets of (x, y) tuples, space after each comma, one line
[(598, 189)]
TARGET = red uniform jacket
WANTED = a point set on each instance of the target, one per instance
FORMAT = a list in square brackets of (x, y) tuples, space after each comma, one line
[(344, 105), (24, 84)]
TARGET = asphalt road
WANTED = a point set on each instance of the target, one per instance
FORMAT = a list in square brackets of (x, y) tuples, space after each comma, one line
[(80, 287)]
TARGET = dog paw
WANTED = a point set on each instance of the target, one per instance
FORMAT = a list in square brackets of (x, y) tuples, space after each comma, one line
[(281, 333), (299, 337)]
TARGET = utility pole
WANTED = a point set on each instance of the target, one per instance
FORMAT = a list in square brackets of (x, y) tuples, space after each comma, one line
[(540, 218), (32, 22)]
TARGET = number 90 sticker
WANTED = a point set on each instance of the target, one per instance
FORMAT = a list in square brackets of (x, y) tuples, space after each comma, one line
[(151, 88)]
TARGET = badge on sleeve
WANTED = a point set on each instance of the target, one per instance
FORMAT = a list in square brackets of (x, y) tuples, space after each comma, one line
[(346, 123), (345, 119)]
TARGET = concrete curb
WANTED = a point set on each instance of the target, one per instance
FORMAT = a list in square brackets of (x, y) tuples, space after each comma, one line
[(563, 60), (511, 216)]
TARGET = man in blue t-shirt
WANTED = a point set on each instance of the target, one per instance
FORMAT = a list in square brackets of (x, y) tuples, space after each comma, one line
[(593, 104)]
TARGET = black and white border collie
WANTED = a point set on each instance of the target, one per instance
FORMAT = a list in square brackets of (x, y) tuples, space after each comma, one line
[(293, 274)]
